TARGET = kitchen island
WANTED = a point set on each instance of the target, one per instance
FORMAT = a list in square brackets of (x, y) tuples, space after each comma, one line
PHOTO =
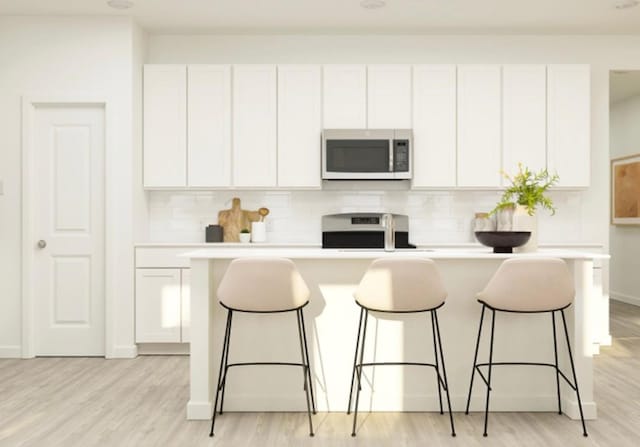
[(332, 320)]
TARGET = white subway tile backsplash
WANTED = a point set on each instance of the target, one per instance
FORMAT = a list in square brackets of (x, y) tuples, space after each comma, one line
[(434, 216)]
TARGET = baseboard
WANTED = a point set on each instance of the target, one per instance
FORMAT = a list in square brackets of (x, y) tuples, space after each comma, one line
[(124, 352), (163, 348), (10, 352), (197, 411), (629, 299)]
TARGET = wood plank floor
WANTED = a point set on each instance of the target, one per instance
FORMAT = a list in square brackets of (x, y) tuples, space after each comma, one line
[(94, 402)]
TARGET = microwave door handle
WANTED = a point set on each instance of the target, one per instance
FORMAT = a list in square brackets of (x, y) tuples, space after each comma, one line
[(390, 155)]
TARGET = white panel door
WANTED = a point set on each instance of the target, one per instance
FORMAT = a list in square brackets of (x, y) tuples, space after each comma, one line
[(254, 125), (185, 297), (389, 96), (569, 123), (434, 126), (209, 125), (165, 126), (299, 125), (69, 222), (524, 117), (158, 306), (479, 119), (344, 96)]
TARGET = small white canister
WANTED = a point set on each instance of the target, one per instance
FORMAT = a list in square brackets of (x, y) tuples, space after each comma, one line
[(258, 232), (483, 222)]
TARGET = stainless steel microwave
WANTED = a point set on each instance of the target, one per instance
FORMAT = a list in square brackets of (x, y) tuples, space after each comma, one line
[(366, 154)]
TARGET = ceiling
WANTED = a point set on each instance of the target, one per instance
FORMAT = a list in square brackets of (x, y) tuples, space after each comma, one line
[(347, 16), (623, 85)]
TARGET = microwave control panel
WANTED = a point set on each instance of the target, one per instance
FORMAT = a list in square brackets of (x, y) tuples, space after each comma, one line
[(401, 155)]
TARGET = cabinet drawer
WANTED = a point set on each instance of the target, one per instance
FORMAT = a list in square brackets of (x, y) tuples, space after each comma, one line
[(162, 257)]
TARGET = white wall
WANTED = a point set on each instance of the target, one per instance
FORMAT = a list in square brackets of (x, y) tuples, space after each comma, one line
[(582, 216), (625, 240), (41, 55)]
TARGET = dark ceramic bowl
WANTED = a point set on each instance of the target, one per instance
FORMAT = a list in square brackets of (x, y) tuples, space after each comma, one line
[(503, 241)]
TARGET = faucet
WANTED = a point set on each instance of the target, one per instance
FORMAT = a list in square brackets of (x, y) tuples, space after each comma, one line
[(389, 225)]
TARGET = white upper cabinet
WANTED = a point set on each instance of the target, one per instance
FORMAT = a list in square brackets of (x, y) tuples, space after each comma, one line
[(434, 126), (569, 123), (479, 125), (299, 125), (164, 126), (254, 125), (344, 97), (209, 125), (389, 96), (524, 115)]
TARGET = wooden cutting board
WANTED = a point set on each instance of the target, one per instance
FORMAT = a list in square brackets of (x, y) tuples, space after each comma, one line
[(235, 219)]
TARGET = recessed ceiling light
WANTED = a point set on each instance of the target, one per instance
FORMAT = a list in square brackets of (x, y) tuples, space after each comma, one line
[(626, 4), (372, 4), (120, 4)]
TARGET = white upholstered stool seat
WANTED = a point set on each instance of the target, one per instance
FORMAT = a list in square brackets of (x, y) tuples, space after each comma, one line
[(527, 286), (400, 285), (264, 286)]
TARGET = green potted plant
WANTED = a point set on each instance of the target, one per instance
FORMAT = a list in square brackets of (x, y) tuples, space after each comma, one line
[(517, 207), (528, 189), (245, 235)]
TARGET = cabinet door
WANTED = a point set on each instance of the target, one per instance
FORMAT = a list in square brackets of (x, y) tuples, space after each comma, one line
[(389, 97), (434, 126), (165, 126), (299, 125), (569, 123), (254, 125), (158, 306), (524, 117), (209, 125), (185, 297), (344, 97), (479, 116)]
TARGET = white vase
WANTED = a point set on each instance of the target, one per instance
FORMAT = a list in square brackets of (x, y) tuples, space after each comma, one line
[(522, 221), (504, 219), (258, 232)]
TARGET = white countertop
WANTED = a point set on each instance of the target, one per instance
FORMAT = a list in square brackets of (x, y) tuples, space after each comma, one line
[(229, 252)]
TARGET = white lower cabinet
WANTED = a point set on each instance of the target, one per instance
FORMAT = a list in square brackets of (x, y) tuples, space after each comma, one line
[(185, 294), (157, 305)]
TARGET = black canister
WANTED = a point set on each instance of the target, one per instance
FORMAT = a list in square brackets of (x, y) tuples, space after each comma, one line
[(214, 233)]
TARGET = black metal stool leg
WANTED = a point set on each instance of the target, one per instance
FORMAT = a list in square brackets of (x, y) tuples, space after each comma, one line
[(226, 362), (355, 360), (555, 353), (486, 410), (475, 359), (306, 350), (434, 314), (435, 354), (359, 372), (573, 371), (305, 367), (222, 357)]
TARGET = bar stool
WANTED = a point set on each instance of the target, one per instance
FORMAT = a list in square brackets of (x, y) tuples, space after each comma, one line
[(264, 286), (527, 286), (400, 286)]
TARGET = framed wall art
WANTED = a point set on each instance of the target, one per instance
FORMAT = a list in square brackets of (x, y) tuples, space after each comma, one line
[(625, 190)]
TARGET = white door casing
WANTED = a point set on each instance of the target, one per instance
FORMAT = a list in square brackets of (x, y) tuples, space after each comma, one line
[(65, 209)]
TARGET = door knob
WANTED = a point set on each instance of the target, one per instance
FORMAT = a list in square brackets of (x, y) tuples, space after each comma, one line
[(42, 243)]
